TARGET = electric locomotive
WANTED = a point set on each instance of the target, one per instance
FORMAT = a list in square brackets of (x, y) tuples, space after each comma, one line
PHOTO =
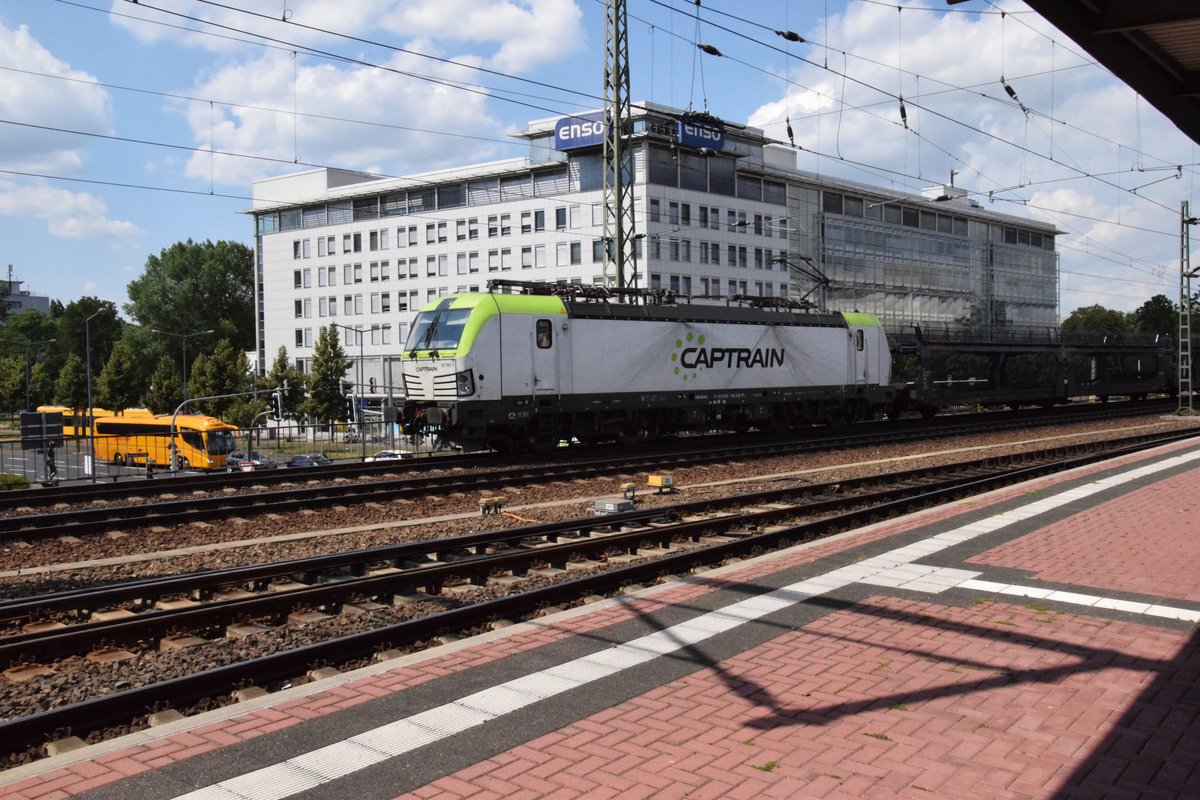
[(526, 365)]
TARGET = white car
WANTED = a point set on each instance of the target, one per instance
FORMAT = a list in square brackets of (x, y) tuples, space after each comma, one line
[(389, 455)]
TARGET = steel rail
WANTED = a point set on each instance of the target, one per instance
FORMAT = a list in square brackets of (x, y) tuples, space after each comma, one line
[(749, 444), (113, 709)]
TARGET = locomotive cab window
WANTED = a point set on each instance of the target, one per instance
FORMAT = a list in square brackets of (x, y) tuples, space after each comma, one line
[(439, 329), (858, 340), (544, 334)]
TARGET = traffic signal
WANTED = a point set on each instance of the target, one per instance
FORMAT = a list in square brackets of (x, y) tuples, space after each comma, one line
[(277, 406), (350, 407)]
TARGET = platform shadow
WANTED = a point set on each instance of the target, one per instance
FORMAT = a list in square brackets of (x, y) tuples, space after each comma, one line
[(1153, 751)]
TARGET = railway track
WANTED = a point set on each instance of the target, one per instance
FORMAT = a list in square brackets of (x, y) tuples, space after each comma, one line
[(159, 502), (674, 539)]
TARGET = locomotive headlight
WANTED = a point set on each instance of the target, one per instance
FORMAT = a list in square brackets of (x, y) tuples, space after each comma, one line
[(464, 383)]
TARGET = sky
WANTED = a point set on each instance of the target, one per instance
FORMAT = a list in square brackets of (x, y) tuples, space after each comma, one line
[(127, 126)]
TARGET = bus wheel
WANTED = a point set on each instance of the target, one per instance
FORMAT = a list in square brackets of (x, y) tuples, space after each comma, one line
[(183, 464), (118, 460)]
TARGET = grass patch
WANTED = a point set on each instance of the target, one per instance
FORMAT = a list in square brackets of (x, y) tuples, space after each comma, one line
[(898, 707), (1005, 622), (883, 737), (767, 767)]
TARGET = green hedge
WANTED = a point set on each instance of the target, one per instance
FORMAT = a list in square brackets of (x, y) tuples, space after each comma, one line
[(8, 481)]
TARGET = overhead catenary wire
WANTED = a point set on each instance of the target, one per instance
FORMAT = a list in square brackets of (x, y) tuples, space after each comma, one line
[(788, 119)]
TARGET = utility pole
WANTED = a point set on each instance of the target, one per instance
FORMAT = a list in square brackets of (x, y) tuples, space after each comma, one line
[(1184, 345), (618, 231)]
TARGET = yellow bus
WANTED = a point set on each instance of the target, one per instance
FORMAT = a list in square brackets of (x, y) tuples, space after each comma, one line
[(74, 419), (133, 439)]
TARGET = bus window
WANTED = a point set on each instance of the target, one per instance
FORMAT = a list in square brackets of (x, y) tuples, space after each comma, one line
[(221, 442)]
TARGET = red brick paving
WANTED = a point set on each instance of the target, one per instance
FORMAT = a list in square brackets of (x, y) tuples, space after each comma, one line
[(922, 700), (640, 744), (1146, 542)]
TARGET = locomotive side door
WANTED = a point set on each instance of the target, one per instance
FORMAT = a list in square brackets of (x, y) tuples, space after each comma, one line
[(543, 356), (860, 356)]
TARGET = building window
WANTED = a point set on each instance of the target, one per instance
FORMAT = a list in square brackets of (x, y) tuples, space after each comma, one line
[(560, 218), (526, 222), (299, 309), (493, 225), (576, 252), (526, 258), (655, 209), (539, 255), (539, 221)]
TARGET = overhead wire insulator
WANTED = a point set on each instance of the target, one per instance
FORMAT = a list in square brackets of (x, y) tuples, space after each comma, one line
[(791, 136), (1013, 94), (791, 36), (708, 48), (903, 113)]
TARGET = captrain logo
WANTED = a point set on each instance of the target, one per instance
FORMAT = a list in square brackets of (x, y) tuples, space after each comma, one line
[(692, 355)]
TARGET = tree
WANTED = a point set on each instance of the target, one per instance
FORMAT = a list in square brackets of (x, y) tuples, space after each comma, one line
[(70, 389), (1156, 315), (118, 386), (1095, 319), (41, 386), (165, 393), (224, 371), (326, 400), (12, 383), (282, 371), (74, 331), (196, 287)]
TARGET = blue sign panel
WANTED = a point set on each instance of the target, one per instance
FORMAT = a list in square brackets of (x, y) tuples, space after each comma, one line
[(701, 134), (582, 130)]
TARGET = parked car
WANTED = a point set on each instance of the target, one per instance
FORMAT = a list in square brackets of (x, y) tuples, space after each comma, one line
[(237, 459), (309, 460), (389, 455)]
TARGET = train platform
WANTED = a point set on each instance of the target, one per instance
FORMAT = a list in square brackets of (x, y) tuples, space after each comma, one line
[(1039, 641)]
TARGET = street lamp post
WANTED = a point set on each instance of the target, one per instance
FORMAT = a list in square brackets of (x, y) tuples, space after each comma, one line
[(184, 337), (362, 438), (29, 345), (87, 345)]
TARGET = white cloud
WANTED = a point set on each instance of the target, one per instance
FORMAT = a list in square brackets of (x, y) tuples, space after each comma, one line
[(345, 97), (27, 96), (526, 33), (523, 33), (67, 215)]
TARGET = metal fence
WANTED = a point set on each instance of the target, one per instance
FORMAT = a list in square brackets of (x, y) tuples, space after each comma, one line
[(279, 442)]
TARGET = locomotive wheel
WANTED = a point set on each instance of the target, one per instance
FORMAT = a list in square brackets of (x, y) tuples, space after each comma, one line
[(543, 443), (633, 436)]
